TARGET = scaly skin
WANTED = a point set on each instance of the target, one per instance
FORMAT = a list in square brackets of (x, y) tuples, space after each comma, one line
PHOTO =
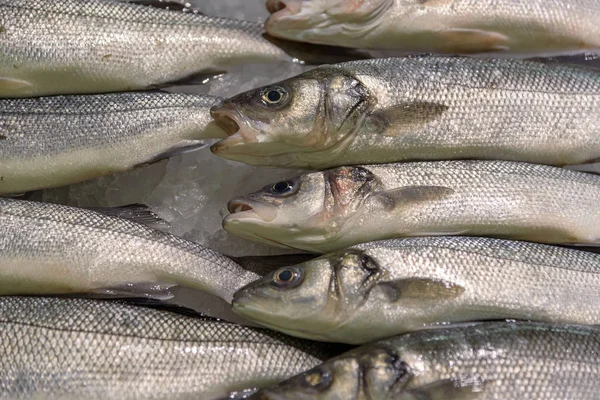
[(55, 141), (489, 361), (336, 208), (391, 287), (537, 27), (95, 46), (418, 108), (51, 248), (75, 348)]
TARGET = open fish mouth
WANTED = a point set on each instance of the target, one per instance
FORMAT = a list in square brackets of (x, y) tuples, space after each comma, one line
[(233, 124), (241, 209)]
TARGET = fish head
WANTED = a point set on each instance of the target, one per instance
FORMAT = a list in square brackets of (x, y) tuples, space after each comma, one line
[(300, 122), (369, 372), (324, 21), (289, 298), (311, 212)]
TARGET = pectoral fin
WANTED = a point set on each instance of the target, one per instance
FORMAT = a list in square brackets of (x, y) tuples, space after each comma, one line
[(395, 120), (421, 289), (446, 390), (398, 198), (465, 41), (14, 87), (139, 213), (186, 146), (151, 291)]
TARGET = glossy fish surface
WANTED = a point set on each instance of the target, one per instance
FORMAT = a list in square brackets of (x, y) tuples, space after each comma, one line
[(51, 249), (489, 361), (76, 348), (381, 289), (336, 208), (512, 27), (97, 46), (417, 108), (60, 140)]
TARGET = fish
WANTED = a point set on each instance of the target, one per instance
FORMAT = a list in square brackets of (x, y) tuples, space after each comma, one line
[(382, 289), (59, 140), (494, 360), (57, 348), (508, 27), (51, 47), (333, 209), (417, 109), (56, 249)]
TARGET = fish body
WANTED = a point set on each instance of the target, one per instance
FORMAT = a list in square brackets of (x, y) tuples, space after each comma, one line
[(538, 27), (333, 209), (60, 140), (495, 360), (387, 288), (51, 248), (417, 108), (96, 46), (75, 348)]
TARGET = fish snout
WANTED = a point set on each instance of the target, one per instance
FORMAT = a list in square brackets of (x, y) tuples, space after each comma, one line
[(226, 118), (241, 208)]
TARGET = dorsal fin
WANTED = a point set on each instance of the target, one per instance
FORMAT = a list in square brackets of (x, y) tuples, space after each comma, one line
[(139, 213)]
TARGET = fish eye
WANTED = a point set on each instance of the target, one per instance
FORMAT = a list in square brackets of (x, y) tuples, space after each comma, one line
[(318, 379), (282, 187), (274, 95), (287, 277)]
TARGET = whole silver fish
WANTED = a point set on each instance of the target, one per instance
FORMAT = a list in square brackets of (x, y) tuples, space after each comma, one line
[(543, 27), (491, 361), (336, 208), (54, 141), (96, 46), (417, 108), (50, 248), (75, 348), (386, 288)]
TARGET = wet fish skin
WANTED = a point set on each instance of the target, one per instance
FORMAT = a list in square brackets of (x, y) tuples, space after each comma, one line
[(396, 286), (60, 140), (417, 108), (334, 209), (495, 360), (50, 249), (94, 46), (513, 27), (78, 348)]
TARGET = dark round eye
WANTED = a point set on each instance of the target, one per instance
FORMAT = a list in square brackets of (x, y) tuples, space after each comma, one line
[(274, 95), (287, 277), (282, 187)]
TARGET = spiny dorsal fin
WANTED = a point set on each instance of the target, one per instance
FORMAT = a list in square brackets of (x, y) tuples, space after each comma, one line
[(139, 213)]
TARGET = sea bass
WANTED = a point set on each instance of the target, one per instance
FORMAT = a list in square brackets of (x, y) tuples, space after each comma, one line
[(336, 208), (515, 27), (50, 248), (75, 348), (96, 46), (417, 108), (55, 141), (490, 361), (390, 287)]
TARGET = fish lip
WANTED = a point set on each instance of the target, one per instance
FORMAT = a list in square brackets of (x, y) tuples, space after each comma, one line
[(235, 126), (240, 209), (225, 117)]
